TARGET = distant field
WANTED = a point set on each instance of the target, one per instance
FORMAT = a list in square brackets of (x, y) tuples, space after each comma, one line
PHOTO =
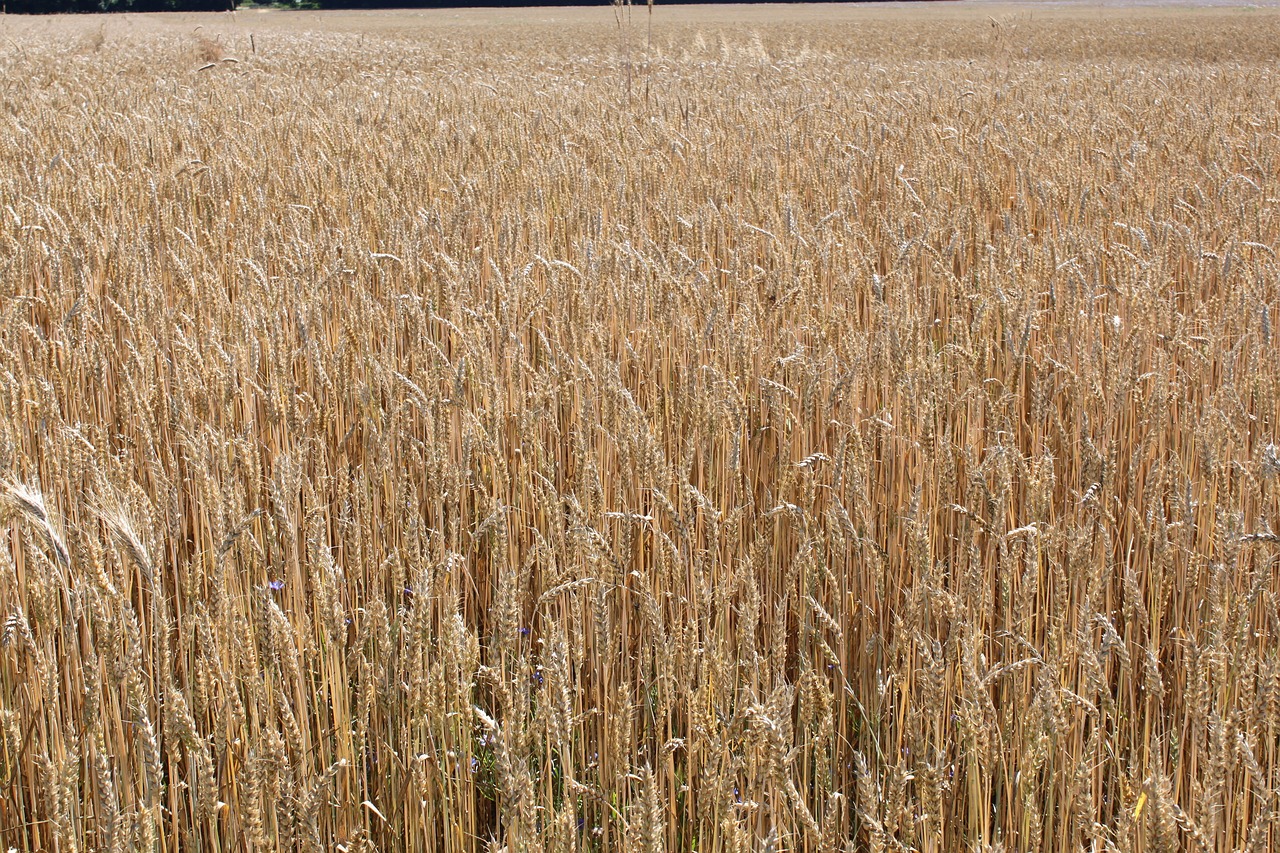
[(793, 428)]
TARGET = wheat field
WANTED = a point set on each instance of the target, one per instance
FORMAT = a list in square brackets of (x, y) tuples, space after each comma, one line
[(698, 429)]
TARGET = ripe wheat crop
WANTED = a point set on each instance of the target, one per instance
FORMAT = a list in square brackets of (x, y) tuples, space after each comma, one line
[(808, 429)]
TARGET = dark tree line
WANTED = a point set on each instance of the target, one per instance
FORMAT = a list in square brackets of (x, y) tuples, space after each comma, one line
[(46, 7)]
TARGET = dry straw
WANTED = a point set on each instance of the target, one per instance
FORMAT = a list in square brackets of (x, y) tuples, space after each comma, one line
[(864, 440)]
